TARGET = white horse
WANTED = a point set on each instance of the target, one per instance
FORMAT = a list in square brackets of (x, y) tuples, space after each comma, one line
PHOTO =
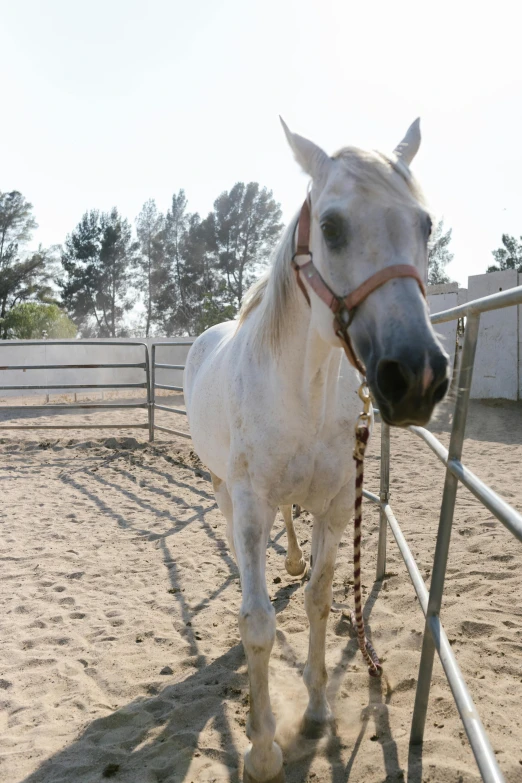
[(272, 401)]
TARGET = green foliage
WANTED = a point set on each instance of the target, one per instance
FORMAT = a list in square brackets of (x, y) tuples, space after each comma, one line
[(97, 259), (34, 320), (213, 312), (439, 255), (509, 256)]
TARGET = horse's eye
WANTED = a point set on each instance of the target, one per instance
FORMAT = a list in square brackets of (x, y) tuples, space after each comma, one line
[(334, 231), (429, 226)]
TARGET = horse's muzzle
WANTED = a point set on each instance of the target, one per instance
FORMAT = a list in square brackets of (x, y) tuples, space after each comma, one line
[(407, 388)]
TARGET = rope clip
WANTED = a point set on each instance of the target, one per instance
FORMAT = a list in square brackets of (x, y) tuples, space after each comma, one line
[(362, 423)]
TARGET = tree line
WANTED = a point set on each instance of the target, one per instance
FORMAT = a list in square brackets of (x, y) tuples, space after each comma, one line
[(508, 256), (173, 273)]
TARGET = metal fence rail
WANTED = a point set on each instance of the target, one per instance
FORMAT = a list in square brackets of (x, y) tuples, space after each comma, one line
[(434, 635), (143, 365), (154, 406)]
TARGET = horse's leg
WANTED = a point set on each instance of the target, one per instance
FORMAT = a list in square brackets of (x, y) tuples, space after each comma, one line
[(224, 502), (326, 535), (295, 563), (253, 520)]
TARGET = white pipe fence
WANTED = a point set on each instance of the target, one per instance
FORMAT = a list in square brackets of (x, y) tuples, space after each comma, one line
[(435, 637), (156, 406), (149, 383)]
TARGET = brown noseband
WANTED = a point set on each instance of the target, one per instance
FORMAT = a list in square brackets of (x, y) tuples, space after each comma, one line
[(343, 308)]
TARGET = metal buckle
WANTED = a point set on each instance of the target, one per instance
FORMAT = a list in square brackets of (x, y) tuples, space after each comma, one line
[(364, 396), (343, 315), (298, 255), (363, 421)]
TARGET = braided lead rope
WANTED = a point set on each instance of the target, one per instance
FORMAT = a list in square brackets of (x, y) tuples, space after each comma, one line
[(362, 434)]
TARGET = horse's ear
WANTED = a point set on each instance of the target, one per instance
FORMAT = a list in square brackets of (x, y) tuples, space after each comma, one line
[(312, 159), (410, 144)]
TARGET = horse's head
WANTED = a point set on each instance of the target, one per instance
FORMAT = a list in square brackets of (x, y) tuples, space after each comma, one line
[(367, 214)]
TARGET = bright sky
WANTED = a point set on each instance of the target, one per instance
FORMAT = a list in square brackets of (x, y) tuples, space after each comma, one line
[(112, 102)]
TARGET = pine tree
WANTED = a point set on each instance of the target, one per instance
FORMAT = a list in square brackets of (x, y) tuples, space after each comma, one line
[(509, 256), (438, 254), (97, 259), (150, 261), (241, 232), (176, 226), (188, 276), (21, 277)]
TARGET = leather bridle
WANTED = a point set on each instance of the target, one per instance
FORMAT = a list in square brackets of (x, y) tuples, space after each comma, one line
[(343, 307)]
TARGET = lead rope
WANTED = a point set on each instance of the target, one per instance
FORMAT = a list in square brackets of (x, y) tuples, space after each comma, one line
[(362, 434)]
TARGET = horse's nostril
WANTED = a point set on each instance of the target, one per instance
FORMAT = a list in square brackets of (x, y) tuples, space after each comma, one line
[(393, 380), (440, 391)]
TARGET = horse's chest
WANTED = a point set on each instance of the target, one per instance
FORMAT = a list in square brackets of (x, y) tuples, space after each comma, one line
[(313, 477)]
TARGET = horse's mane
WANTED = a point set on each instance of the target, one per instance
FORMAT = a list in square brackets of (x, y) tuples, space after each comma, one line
[(273, 292)]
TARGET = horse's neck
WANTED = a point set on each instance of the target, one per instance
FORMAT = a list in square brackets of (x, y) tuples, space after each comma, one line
[(309, 365)]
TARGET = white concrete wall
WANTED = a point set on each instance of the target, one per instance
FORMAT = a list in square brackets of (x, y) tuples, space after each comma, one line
[(13, 352), (496, 372), (498, 363), (444, 297)]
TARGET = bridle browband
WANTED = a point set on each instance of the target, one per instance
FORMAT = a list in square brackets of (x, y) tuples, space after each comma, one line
[(343, 307)]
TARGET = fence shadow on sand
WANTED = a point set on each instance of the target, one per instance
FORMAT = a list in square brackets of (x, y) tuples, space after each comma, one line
[(173, 731)]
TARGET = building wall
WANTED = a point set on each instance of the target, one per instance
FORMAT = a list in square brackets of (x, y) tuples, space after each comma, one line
[(496, 373)]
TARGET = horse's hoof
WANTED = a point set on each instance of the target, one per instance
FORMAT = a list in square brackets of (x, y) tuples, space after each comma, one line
[(279, 778), (270, 764), (296, 567), (315, 729)]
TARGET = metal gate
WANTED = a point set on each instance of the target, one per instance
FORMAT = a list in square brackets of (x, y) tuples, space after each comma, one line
[(169, 387), (75, 344)]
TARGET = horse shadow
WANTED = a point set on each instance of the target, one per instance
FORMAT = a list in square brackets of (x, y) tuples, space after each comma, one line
[(157, 738)]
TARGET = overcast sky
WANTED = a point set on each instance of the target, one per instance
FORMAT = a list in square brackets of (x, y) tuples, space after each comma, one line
[(113, 102)]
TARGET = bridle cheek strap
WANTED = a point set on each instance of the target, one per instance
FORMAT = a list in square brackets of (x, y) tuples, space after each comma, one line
[(343, 308)]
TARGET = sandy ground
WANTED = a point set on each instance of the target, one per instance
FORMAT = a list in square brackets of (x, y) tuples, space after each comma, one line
[(120, 655)]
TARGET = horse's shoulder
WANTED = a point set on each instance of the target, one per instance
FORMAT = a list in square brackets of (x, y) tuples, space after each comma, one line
[(216, 334)]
